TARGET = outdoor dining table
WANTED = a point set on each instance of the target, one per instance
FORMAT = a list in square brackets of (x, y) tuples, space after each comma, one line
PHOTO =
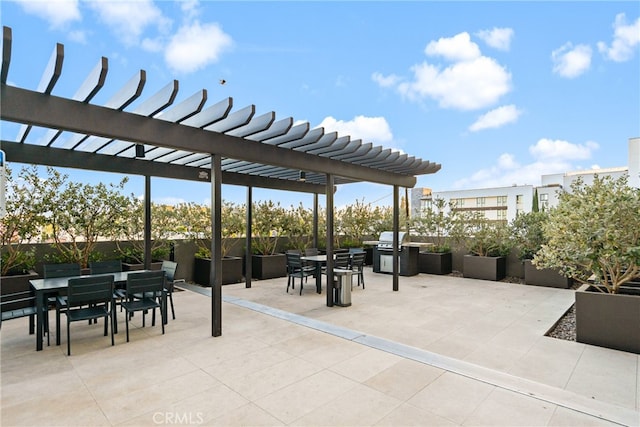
[(42, 287), (319, 261)]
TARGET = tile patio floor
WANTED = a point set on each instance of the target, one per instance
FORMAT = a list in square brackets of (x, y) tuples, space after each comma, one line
[(442, 351)]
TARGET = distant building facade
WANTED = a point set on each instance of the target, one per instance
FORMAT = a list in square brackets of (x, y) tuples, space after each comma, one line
[(505, 203)]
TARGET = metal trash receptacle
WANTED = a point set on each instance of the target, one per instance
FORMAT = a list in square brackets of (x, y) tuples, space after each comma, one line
[(343, 291)]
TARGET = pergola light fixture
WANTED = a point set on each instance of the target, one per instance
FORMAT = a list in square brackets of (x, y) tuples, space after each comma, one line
[(139, 150), (303, 176)]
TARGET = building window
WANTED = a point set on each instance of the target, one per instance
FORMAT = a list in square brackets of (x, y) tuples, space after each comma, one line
[(480, 201), (502, 200), (544, 201), (502, 215)]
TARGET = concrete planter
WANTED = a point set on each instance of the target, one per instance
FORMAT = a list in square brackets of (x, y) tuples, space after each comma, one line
[(231, 270), (435, 263), (608, 320), (268, 266), (484, 267), (135, 267), (544, 277)]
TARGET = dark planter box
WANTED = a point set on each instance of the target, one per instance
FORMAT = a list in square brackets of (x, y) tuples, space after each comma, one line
[(135, 267), (608, 320), (544, 277), (231, 270), (268, 266), (484, 267), (14, 284), (435, 263)]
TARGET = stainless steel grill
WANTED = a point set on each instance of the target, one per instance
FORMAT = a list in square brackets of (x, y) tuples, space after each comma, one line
[(385, 241)]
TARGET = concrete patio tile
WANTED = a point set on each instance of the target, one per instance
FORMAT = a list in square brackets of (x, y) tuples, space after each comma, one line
[(201, 408), (248, 363), (264, 382), (408, 415), (549, 361), (404, 379), (452, 396), (365, 365), (506, 408), (125, 406), (495, 357), (300, 398), (605, 374), (359, 406), (246, 415), (563, 417)]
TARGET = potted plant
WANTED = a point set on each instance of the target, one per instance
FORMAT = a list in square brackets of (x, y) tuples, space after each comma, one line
[(435, 223), (528, 237), (488, 244), (594, 237), (269, 221), (355, 222), (195, 223), (128, 233), (20, 225)]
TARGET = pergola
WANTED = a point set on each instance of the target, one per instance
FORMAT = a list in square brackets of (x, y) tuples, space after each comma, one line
[(191, 141)]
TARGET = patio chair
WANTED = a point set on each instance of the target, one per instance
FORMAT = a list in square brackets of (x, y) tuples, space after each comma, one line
[(54, 300), (15, 305), (142, 291), (104, 267), (170, 267), (297, 269), (357, 265), (88, 298)]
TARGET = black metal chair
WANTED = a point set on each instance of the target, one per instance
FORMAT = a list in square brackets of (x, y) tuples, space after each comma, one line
[(170, 267), (297, 269), (357, 265), (88, 298), (104, 267), (142, 295), (55, 300), (14, 305)]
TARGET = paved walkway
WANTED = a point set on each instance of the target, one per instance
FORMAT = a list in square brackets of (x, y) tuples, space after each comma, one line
[(441, 351)]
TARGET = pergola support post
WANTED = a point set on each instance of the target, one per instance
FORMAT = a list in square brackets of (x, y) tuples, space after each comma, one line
[(147, 222), (396, 242), (247, 251), (215, 275), (329, 194), (315, 220)]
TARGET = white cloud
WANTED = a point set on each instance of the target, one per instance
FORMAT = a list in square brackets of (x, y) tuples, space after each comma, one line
[(548, 157), (129, 19), (570, 61), (470, 82), (496, 118), (369, 129), (456, 48), (58, 13), (195, 46), (497, 38), (625, 38), (467, 85), (385, 81), (549, 149)]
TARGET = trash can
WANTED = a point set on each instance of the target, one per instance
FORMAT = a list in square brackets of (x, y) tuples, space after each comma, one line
[(343, 291)]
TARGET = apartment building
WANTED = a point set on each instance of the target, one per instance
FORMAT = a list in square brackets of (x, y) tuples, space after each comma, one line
[(505, 203)]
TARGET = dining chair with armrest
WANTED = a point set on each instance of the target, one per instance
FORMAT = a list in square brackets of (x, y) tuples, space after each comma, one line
[(170, 267), (88, 298), (22, 303), (55, 300), (142, 291), (297, 269), (357, 265)]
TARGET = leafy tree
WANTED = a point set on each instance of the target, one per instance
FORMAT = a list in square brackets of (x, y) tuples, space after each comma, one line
[(299, 226), (594, 233), (80, 214), (24, 218), (527, 233), (269, 223), (436, 222), (482, 236), (353, 223)]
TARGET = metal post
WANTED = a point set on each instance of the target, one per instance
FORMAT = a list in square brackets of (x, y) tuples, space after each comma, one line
[(329, 240), (315, 220), (147, 222), (215, 276), (396, 242), (247, 251)]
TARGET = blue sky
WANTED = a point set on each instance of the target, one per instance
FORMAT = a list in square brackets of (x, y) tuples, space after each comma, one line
[(498, 93)]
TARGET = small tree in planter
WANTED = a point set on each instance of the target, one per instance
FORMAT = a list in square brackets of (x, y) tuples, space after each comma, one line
[(269, 223), (528, 238), (594, 237), (195, 224), (353, 223), (487, 241), (299, 226), (23, 220), (130, 228), (437, 224)]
